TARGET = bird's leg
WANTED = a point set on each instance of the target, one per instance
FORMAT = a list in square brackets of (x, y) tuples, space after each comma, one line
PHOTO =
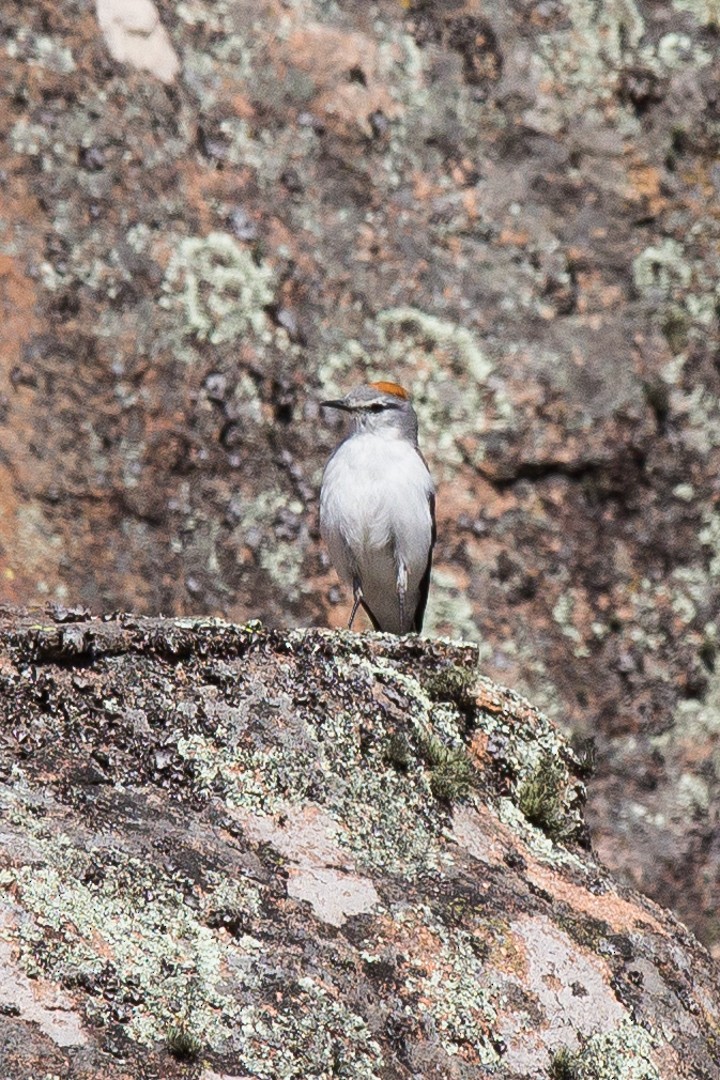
[(358, 594), (402, 581)]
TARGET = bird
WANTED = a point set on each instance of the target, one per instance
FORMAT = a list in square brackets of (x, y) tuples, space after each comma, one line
[(377, 508)]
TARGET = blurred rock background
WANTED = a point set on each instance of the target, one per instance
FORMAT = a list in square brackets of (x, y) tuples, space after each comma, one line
[(214, 214)]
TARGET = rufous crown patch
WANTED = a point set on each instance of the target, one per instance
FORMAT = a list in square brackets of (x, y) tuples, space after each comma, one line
[(391, 388)]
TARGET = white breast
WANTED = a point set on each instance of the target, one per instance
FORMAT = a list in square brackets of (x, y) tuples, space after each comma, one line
[(375, 519)]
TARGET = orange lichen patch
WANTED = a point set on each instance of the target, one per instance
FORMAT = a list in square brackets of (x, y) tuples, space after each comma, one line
[(594, 292), (470, 203), (454, 246), (241, 106), (327, 54), (621, 915), (515, 237), (693, 753), (202, 187), (489, 701), (482, 835), (391, 388), (478, 748), (417, 940), (700, 188), (459, 498), (644, 184), (17, 303), (423, 188)]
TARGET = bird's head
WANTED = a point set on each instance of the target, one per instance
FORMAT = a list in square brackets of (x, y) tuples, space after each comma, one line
[(382, 408)]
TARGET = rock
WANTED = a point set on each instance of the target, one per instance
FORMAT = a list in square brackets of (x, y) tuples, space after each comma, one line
[(509, 207), (134, 35), (315, 853)]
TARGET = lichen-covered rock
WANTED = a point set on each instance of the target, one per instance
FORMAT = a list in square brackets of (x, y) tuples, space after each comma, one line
[(235, 852), (512, 207)]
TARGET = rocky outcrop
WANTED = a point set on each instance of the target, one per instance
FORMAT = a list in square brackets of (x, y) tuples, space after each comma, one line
[(232, 852), (216, 214)]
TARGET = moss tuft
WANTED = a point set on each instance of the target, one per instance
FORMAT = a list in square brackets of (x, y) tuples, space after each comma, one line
[(398, 751), (454, 684), (451, 770), (540, 797), (585, 750), (676, 331), (182, 1043), (564, 1065)]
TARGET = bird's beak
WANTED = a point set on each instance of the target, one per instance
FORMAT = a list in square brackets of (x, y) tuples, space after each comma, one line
[(335, 405)]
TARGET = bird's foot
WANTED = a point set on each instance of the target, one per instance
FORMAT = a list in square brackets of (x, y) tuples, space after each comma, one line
[(358, 594), (402, 581)]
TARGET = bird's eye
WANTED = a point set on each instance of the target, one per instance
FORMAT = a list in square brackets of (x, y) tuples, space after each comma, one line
[(376, 407)]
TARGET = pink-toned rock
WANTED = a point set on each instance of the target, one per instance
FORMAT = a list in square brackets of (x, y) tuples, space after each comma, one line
[(267, 852)]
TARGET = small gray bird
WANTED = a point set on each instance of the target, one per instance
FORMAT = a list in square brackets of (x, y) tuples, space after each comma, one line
[(377, 508)]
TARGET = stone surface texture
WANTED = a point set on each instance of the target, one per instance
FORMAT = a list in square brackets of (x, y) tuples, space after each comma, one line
[(233, 852), (511, 207)]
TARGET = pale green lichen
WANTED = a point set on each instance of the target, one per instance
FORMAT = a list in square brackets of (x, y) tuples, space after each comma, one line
[(231, 896), (531, 752), (685, 492), (542, 688), (450, 611), (688, 588), (563, 615), (684, 590), (707, 12), (585, 60), (134, 920), (222, 289), (696, 718), (662, 269), (302, 1038), (545, 848), (677, 51), (693, 794), (281, 559), (28, 138), (449, 982), (587, 56), (710, 538), (283, 564), (386, 821), (97, 912), (623, 1054), (39, 50), (683, 284), (546, 804)]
